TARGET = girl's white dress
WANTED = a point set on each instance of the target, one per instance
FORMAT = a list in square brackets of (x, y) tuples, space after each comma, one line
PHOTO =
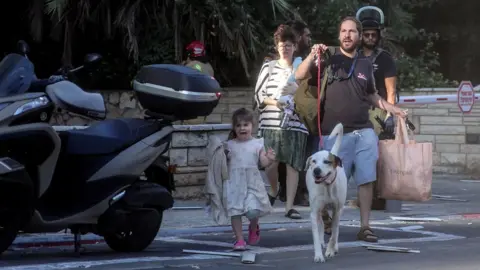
[(245, 190)]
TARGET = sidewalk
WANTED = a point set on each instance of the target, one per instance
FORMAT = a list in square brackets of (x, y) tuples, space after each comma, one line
[(176, 221), (457, 189)]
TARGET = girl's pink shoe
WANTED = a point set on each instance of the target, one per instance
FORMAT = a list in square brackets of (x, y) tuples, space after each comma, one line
[(253, 236), (240, 246)]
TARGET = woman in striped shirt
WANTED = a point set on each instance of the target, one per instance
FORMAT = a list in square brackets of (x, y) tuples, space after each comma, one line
[(287, 136)]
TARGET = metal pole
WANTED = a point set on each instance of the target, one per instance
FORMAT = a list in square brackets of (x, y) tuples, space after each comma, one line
[(430, 99)]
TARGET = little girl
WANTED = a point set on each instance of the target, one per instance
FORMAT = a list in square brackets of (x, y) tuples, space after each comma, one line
[(244, 192)]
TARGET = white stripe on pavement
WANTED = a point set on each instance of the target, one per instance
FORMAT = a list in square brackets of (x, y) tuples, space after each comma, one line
[(88, 264), (64, 237), (427, 236)]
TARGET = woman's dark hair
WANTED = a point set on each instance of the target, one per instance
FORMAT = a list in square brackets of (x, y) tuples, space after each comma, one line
[(297, 26), (239, 115), (284, 33)]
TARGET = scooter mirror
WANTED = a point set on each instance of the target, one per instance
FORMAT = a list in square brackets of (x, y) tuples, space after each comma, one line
[(22, 47)]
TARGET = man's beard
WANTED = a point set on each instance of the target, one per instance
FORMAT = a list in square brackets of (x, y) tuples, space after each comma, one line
[(369, 45), (303, 49), (348, 50)]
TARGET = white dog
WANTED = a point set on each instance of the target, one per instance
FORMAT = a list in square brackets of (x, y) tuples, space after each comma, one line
[(327, 184)]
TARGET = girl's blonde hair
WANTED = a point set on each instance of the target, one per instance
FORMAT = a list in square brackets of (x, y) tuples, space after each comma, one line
[(239, 115)]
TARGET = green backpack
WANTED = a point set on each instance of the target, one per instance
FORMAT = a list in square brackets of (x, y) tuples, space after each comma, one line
[(306, 97)]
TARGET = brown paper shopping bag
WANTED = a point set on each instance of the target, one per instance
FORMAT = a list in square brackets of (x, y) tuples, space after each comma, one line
[(404, 167)]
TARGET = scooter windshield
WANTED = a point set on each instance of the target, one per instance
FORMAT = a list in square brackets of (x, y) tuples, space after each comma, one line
[(16, 75)]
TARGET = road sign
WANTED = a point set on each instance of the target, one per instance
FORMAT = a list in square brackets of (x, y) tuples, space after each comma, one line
[(465, 96)]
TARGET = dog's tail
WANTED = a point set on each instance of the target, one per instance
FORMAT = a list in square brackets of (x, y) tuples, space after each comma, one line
[(337, 131)]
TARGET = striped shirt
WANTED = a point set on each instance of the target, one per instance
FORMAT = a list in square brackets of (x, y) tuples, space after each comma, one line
[(271, 116)]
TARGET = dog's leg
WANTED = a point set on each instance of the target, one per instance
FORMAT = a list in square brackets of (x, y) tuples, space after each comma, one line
[(321, 227), (332, 247), (318, 237)]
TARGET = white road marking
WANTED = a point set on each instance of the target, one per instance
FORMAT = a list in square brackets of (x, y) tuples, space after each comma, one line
[(416, 218), (88, 264), (254, 265), (412, 228), (208, 243), (196, 242), (60, 237), (427, 236)]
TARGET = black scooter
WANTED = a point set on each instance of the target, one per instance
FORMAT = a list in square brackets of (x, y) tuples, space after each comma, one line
[(109, 178)]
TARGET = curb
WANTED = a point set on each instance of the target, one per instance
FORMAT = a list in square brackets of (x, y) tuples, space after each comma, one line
[(53, 240), (60, 239)]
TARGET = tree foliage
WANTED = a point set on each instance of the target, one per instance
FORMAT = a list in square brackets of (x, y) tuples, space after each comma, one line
[(412, 48), (238, 33)]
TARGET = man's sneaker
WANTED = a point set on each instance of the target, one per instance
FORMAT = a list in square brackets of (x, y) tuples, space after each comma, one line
[(240, 246), (253, 236)]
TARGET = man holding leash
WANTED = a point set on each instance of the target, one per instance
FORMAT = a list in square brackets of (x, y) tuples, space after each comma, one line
[(348, 97), (385, 73)]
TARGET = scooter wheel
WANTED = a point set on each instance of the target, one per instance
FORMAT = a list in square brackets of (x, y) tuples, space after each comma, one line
[(143, 228)]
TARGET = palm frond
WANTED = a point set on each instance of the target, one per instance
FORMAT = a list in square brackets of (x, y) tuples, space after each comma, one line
[(36, 13), (56, 7)]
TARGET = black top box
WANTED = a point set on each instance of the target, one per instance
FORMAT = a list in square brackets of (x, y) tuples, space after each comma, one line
[(176, 90)]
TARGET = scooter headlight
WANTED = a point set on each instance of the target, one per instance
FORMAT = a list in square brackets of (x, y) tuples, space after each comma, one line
[(36, 103)]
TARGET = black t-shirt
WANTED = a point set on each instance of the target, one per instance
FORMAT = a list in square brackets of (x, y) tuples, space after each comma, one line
[(383, 67), (346, 101)]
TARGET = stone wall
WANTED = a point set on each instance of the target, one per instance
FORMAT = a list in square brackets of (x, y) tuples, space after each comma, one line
[(456, 137), (125, 104), (189, 152), (117, 103)]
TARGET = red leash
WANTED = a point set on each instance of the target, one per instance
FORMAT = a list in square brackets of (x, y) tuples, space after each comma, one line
[(319, 102)]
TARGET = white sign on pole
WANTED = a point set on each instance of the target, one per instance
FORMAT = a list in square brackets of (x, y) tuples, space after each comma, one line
[(466, 96)]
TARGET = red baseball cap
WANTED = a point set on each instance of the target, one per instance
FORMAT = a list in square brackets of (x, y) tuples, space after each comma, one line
[(196, 49)]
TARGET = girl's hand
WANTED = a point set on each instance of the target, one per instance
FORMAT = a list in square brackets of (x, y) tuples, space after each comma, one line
[(270, 154), (227, 154), (267, 157), (227, 151)]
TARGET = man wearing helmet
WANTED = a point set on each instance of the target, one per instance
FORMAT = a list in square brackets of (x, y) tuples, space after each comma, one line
[(197, 59), (385, 73)]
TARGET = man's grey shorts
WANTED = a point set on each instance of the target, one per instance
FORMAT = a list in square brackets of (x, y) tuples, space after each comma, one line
[(359, 154)]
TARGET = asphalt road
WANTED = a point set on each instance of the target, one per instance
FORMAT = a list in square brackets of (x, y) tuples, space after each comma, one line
[(442, 245)]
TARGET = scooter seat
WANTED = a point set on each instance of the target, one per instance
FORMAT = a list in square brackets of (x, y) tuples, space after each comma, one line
[(109, 136)]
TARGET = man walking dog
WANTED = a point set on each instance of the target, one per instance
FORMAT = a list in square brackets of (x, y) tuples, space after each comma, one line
[(348, 96)]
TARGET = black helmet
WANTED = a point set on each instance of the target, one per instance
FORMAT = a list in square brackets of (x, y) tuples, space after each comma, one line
[(371, 18)]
